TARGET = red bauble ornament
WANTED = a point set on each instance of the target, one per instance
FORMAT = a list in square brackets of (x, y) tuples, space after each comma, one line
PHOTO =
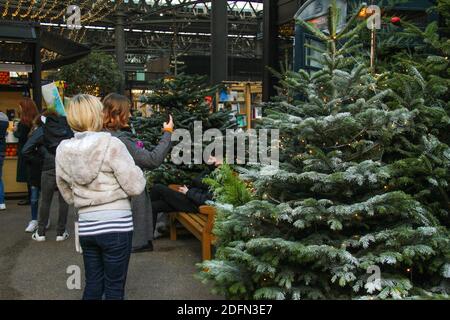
[(395, 20)]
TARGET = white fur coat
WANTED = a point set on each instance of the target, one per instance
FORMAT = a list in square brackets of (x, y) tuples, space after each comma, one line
[(94, 171)]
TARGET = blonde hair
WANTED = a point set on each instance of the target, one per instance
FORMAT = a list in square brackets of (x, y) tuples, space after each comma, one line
[(85, 113)]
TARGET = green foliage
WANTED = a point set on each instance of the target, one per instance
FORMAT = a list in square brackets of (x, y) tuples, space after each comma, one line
[(184, 98), (96, 74), (227, 187), (347, 195), (419, 79)]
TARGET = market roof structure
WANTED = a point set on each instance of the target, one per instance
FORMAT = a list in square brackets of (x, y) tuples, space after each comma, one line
[(152, 28), (140, 31)]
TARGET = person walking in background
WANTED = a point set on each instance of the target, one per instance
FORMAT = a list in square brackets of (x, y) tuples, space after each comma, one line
[(116, 113), (54, 130), (4, 124), (27, 111), (95, 173), (34, 154)]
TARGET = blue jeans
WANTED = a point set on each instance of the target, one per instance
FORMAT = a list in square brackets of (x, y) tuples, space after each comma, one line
[(2, 187), (106, 257), (34, 200)]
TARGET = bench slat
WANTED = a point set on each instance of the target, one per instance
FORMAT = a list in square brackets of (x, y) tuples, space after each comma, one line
[(192, 225), (200, 218)]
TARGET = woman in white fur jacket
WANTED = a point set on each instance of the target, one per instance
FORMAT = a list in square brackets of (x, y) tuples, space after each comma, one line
[(96, 174)]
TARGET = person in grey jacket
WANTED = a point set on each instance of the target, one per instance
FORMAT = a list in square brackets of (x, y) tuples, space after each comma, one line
[(116, 117)]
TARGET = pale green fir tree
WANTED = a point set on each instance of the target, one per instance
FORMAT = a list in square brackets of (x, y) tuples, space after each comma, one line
[(331, 217)]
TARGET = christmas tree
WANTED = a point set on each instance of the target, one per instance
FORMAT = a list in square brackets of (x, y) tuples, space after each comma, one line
[(418, 76), (184, 98), (330, 223)]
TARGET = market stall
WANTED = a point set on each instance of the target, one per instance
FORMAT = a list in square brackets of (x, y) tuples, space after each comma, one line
[(21, 65), (244, 99)]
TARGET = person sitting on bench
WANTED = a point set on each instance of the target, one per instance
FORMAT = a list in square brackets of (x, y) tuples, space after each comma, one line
[(185, 199)]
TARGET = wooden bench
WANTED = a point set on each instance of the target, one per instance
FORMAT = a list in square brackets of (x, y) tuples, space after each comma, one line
[(199, 224)]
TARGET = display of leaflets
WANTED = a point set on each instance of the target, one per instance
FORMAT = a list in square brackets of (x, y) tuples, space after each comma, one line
[(242, 109), (241, 120), (257, 112), (223, 96)]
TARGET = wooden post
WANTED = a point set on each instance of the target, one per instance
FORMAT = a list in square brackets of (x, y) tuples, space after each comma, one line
[(373, 45), (173, 227), (248, 104), (206, 246), (217, 100)]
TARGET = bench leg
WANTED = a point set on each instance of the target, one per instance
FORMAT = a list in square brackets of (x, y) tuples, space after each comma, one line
[(173, 228), (206, 247)]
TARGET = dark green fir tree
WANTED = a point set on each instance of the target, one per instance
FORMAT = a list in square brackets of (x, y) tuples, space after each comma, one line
[(329, 223), (418, 74)]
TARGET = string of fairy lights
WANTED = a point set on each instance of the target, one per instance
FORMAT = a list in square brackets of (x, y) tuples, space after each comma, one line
[(52, 11), (41, 10), (45, 9)]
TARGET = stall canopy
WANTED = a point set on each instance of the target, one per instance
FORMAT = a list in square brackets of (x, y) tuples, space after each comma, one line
[(18, 41), (20, 48), (68, 50)]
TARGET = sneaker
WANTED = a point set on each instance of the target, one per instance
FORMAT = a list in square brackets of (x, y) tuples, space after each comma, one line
[(2, 206), (37, 237), (32, 226), (63, 236), (24, 202)]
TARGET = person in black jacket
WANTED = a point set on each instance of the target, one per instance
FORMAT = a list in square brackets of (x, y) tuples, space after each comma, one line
[(28, 112), (34, 157), (54, 130), (186, 198)]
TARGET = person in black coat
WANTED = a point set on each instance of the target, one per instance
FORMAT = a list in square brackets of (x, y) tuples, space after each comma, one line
[(186, 198), (33, 154), (54, 130), (28, 112)]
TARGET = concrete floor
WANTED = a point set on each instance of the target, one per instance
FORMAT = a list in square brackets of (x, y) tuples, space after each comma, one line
[(32, 270)]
